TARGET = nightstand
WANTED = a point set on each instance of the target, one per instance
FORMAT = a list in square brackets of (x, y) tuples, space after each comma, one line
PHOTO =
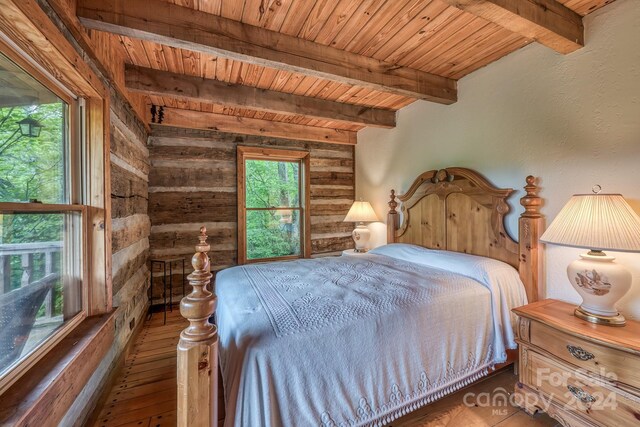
[(580, 373), (352, 252)]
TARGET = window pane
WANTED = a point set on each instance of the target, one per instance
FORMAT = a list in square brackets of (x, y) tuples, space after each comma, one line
[(40, 280), (273, 233), (272, 184), (32, 139)]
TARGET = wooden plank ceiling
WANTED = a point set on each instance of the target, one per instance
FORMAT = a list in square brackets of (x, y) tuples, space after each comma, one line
[(444, 38)]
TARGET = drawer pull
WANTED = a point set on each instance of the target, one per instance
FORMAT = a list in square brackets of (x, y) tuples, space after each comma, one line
[(580, 353), (581, 395)]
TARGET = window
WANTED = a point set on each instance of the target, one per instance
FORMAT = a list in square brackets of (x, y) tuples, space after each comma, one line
[(41, 238), (273, 204)]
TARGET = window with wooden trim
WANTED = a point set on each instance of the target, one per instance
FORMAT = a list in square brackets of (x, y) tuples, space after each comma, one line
[(42, 290), (273, 204)]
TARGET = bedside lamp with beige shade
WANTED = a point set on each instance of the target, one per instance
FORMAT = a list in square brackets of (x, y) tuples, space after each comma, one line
[(361, 212), (597, 222)]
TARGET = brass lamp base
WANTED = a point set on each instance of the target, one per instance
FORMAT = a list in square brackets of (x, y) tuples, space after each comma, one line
[(618, 320)]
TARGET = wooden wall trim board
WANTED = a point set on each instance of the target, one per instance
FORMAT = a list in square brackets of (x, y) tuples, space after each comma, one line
[(175, 117), (183, 87), (183, 27), (99, 214), (548, 22)]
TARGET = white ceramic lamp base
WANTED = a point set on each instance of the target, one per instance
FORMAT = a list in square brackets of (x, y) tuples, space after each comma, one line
[(361, 236), (601, 283)]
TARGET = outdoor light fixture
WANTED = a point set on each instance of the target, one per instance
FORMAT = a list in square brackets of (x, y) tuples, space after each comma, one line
[(30, 127)]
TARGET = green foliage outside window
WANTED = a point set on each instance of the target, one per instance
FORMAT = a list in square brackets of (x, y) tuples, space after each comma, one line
[(273, 208), (31, 168)]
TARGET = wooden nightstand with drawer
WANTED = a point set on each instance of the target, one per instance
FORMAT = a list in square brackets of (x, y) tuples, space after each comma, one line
[(580, 373)]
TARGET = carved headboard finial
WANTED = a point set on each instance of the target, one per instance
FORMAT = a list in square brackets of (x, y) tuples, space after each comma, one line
[(392, 203), (203, 246), (392, 218), (531, 202)]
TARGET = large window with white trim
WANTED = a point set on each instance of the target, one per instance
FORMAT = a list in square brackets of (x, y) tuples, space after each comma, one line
[(41, 215)]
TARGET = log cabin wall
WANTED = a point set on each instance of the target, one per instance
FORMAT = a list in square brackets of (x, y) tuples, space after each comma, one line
[(192, 182), (130, 221)]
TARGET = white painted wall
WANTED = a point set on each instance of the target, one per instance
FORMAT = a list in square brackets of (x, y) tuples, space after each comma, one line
[(573, 121)]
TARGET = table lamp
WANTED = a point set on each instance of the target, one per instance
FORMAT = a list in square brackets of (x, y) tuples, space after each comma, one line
[(597, 222), (361, 212)]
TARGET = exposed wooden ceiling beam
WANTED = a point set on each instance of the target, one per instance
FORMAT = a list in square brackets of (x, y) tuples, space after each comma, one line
[(166, 23), (545, 21), (163, 83), (213, 121)]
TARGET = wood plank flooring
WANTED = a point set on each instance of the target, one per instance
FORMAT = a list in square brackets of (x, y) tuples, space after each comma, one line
[(144, 394)]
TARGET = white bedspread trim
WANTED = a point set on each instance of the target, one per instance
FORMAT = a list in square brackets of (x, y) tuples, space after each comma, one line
[(410, 407)]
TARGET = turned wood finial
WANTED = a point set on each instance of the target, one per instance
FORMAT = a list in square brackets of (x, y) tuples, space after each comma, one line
[(392, 203), (200, 304), (531, 201)]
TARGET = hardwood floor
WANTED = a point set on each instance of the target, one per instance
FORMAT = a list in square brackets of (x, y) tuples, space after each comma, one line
[(144, 394)]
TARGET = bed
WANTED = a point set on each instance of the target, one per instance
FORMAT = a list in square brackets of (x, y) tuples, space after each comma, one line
[(351, 341)]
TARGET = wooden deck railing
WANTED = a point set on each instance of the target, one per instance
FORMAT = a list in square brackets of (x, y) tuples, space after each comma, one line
[(26, 252), (198, 347), (22, 295)]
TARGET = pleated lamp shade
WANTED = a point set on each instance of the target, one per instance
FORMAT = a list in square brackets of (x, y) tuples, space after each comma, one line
[(597, 222), (361, 212)]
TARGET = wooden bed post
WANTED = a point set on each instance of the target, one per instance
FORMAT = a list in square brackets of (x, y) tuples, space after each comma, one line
[(392, 218), (198, 347), (531, 223)]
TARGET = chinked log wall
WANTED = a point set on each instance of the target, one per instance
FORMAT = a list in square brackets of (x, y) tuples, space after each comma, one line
[(130, 225), (193, 182)]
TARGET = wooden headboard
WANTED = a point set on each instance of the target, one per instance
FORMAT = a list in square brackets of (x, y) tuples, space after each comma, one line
[(457, 209)]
